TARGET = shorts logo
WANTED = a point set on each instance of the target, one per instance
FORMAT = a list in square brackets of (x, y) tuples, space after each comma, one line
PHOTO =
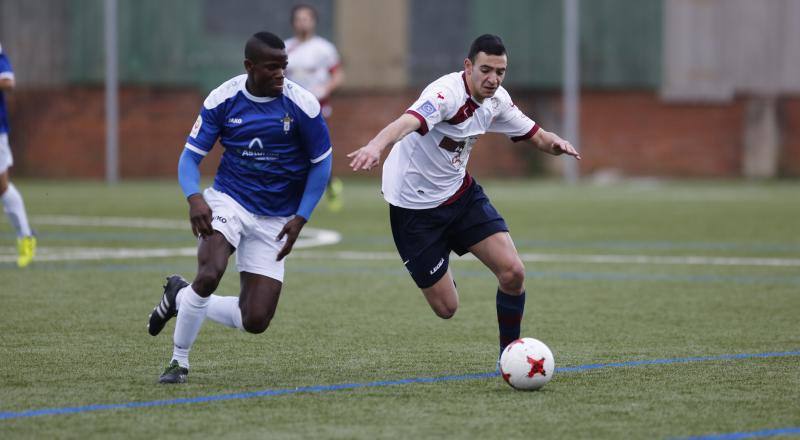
[(235, 120), (220, 218), (437, 267), (426, 109), (196, 128)]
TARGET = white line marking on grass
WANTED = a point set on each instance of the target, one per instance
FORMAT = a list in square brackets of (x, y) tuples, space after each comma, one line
[(310, 237), (329, 237), (84, 254), (580, 258), (113, 222), (656, 259)]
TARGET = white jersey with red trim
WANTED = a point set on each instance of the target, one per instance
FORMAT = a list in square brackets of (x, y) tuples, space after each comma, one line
[(311, 63), (426, 168)]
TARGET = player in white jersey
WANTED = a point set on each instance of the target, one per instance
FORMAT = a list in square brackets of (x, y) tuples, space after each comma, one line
[(435, 206), (12, 199), (314, 64)]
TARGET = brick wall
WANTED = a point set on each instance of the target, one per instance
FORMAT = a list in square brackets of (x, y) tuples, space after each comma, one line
[(60, 133), (790, 121), (639, 135)]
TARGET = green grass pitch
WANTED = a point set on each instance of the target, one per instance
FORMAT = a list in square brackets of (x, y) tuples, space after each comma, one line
[(72, 331)]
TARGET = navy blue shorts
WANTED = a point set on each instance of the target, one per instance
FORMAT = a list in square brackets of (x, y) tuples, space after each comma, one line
[(425, 237)]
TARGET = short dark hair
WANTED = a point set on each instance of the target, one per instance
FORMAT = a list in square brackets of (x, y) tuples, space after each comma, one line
[(300, 6), (251, 48), (488, 44)]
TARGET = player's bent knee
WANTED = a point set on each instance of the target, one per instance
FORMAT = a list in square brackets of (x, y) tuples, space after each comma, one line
[(512, 278), (256, 321), (206, 281), (445, 312), (256, 325)]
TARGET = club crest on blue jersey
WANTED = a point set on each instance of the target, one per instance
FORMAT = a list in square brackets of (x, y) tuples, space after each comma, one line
[(287, 123), (426, 109)]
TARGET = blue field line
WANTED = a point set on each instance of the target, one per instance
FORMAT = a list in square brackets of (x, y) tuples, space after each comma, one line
[(793, 430), (384, 383)]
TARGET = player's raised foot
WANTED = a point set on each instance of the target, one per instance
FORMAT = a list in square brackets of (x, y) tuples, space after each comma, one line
[(166, 308), (174, 373), (334, 193), (26, 249)]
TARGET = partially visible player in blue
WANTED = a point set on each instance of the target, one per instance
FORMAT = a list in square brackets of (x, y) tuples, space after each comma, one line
[(274, 170), (11, 198)]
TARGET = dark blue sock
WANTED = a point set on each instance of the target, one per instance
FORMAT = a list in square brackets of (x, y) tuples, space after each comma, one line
[(509, 317)]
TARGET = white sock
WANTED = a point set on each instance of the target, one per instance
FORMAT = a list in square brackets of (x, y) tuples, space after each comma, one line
[(187, 326), (225, 310), (179, 298), (222, 309), (15, 209)]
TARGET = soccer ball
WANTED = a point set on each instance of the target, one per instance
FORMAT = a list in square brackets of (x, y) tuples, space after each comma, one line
[(527, 364)]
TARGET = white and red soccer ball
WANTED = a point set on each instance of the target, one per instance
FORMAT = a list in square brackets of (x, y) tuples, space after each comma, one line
[(527, 364)]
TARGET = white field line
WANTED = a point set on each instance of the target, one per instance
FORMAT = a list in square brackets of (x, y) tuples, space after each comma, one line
[(73, 254), (580, 258), (78, 254), (114, 222), (309, 238), (312, 237)]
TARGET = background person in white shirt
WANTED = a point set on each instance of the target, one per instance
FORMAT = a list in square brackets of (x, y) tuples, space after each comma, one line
[(314, 64)]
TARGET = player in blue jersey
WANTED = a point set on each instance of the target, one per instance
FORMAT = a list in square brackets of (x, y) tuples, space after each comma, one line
[(274, 170), (12, 200)]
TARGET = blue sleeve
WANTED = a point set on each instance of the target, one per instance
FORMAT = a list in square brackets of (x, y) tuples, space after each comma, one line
[(205, 131), (5, 67), (189, 172), (317, 180), (314, 136)]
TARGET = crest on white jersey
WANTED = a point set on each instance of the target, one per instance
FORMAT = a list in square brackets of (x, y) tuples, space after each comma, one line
[(426, 109), (196, 128)]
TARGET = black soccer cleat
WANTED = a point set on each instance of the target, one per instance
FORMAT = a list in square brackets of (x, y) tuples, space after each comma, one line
[(166, 308), (174, 373)]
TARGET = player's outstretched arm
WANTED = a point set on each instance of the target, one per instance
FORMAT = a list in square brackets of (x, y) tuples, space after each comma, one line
[(553, 144), (369, 155)]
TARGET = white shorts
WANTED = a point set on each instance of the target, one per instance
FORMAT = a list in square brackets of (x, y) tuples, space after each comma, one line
[(6, 159), (252, 235)]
